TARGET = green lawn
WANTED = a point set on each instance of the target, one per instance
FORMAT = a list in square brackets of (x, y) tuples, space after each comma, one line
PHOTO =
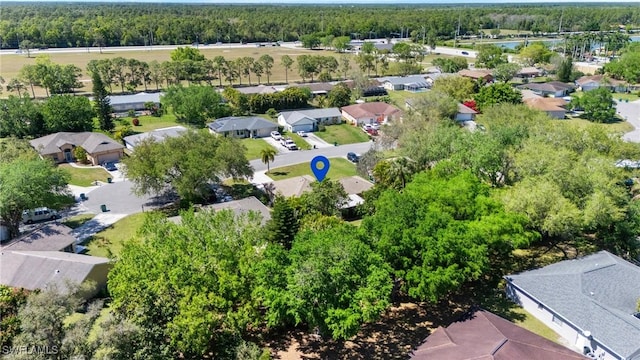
[(619, 127), (148, 123), (254, 147), (338, 169), (342, 134), (75, 222), (630, 97), (300, 142), (398, 98), (85, 176), (108, 242), (534, 325)]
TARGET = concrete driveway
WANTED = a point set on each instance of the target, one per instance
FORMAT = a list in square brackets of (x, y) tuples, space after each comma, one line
[(314, 140), (630, 111), (276, 144)]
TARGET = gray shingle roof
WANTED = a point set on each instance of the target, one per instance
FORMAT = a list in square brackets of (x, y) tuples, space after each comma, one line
[(596, 293), (91, 142), (241, 123), (158, 135), (49, 237), (142, 97), (407, 80), (238, 207), (37, 269), (292, 117)]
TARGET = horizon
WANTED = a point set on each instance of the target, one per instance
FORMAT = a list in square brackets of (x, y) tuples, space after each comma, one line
[(331, 2)]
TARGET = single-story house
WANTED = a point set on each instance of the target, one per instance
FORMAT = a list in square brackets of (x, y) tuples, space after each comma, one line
[(59, 147), (308, 119), (34, 270), (48, 237), (294, 186), (479, 334), (124, 103), (372, 88), (369, 113), (260, 89), (238, 207), (587, 83), (590, 302), (465, 113), (554, 107), (355, 185), (431, 77), (158, 135), (409, 83), (477, 74), (529, 72), (242, 127), (550, 89), (317, 88)]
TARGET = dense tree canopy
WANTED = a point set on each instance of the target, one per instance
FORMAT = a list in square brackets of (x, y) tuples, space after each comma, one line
[(68, 113), (597, 104), (188, 164), (194, 105)]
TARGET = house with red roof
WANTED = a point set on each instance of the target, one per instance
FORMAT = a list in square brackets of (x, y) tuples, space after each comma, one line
[(370, 113)]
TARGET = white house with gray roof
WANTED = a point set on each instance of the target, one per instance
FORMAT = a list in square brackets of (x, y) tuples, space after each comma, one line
[(242, 127), (123, 103), (157, 135), (590, 302), (409, 83), (308, 119)]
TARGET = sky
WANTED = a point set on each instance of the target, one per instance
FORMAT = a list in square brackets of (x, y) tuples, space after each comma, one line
[(342, 2)]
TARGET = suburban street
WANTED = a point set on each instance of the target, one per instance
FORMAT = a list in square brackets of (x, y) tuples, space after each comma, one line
[(631, 112)]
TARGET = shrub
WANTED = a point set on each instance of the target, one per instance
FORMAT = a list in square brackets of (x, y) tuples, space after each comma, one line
[(273, 113), (136, 122), (321, 127), (131, 113), (80, 155)]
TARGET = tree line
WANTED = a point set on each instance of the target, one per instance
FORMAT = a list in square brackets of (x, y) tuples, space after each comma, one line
[(80, 25)]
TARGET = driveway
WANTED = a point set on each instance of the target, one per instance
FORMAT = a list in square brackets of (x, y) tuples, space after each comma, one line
[(314, 140), (276, 144), (631, 112)]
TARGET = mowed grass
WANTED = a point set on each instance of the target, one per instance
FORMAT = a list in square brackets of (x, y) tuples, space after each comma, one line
[(300, 142), (342, 134), (534, 325), (255, 147), (108, 242), (618, 127), (148, 123), (338, 169), (85, 176), (12, 63), (75, 222)]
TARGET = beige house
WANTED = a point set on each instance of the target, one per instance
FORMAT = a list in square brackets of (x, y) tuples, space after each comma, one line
[(369, 113), (554, 107), (60, 147)]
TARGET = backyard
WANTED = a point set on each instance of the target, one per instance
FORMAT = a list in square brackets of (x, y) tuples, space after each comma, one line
[(342, 134), (339, 168), (85, 176)]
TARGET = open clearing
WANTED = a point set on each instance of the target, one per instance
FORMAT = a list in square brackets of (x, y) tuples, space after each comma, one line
[(342, 134)]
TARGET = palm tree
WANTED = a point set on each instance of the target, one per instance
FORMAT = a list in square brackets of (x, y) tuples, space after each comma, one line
[(267, 155)]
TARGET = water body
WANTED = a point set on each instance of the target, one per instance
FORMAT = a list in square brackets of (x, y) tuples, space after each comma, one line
[(513, 43)]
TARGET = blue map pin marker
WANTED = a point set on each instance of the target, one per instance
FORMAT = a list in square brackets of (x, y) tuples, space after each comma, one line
[(320, 173)]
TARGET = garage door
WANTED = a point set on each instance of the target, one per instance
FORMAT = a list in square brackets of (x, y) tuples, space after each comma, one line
[(112, 157), (305, 128)]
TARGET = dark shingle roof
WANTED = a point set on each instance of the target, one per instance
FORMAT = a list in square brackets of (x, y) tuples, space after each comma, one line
[(158, 135), (596, 293), (483, 335), (241, 123), (49, 237)]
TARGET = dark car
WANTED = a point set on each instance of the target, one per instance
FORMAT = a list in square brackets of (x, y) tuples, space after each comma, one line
[(110, 166), (353, 157)]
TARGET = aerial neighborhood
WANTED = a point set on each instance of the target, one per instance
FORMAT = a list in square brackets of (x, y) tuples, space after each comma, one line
[(287, 181)]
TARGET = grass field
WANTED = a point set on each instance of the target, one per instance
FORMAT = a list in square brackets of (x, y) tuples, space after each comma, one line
[(108, 242), (85, 176), (338, 169), (619, 127), (342, 134), (12, 63), (148, 123), (254, 147)]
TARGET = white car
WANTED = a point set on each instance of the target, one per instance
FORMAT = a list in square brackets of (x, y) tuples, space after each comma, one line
[(375, 126), (276, 136), (289, 144), (302, 133), (39, 214)]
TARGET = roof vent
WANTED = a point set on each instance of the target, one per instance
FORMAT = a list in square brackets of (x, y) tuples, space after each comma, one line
[(57, 271), (637, 315)]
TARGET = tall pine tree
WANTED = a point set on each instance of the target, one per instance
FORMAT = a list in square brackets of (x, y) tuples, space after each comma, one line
[(565, 69), (101, 103), (283, 225)]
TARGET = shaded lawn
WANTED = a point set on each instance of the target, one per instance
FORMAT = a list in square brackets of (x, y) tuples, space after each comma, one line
[(109, 242), (254, 147), (342, 134), (85, 176), (338, 169), (75, 222)]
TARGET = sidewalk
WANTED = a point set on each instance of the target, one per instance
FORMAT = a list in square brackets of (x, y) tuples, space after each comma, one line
[(260, 177), (95, 225)]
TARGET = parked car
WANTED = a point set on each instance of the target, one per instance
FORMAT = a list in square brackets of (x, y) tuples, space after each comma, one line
[(290, 144), (366, 127), (109, 166), (353, 157), (39, 214), (302, 133), (375, 126), (276, 136)]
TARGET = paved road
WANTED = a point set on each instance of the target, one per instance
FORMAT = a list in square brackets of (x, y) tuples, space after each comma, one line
[(631, 112), (301, 156)]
